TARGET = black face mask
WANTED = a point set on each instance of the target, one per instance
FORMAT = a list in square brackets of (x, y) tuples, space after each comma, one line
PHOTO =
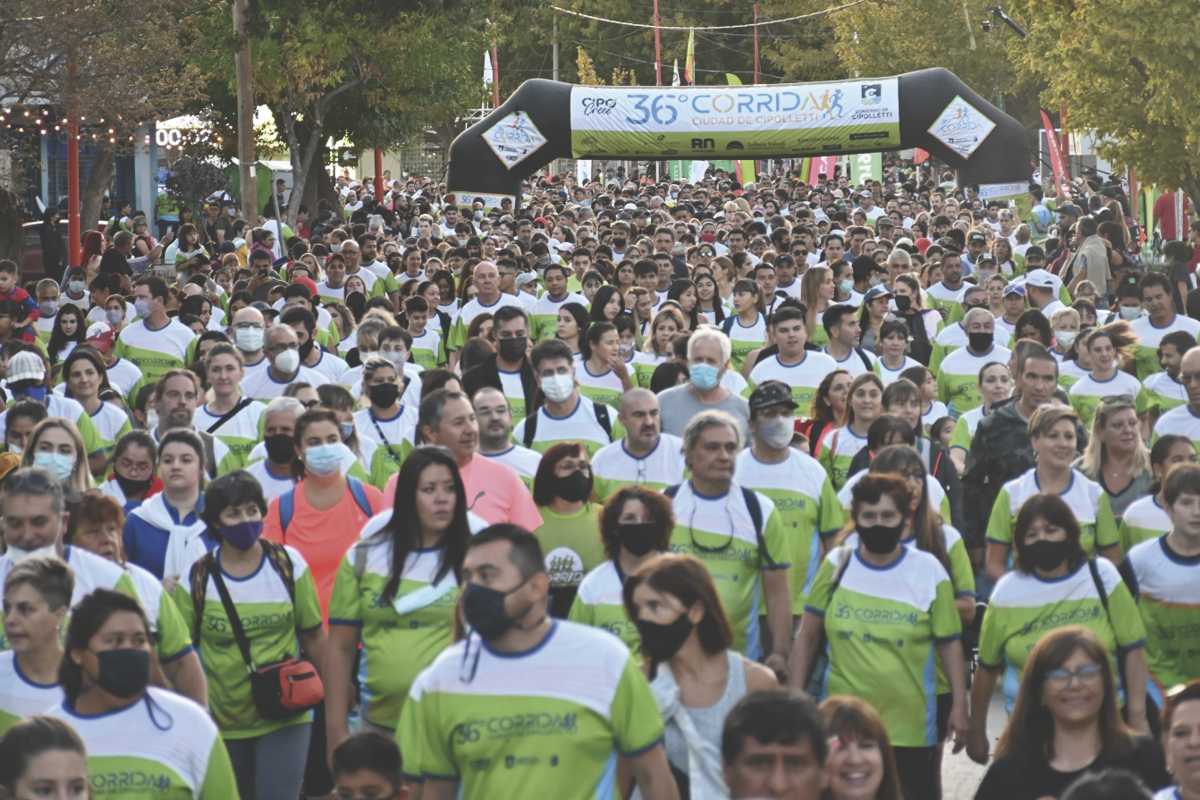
[(513, 349), (132, 488), (903, 302), (574, 488), (880, 539), (980, 341), (357, 303), (484, 610), (1047, 555), (638, 538), (661, 642), (306, 350), (618, 243), (383, 395), (281, 449), (124, 673)]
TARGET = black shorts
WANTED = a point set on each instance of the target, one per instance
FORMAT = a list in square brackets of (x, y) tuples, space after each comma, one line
[(944, 704)]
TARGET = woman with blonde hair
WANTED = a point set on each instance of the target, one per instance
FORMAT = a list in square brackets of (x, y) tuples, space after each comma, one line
[(56, 446), (1116, 456), (666, 325), (816, 292)]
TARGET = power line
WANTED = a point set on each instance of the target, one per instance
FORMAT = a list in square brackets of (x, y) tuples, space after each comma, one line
[(760, 23)]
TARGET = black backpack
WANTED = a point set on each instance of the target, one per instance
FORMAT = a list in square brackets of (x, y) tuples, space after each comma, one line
[(602, 419)]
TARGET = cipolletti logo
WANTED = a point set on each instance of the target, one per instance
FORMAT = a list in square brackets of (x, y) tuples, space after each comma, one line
[(872, 94)]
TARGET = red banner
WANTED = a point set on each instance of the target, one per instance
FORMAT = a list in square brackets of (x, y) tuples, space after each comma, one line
[(821, 164), (1056, 159)]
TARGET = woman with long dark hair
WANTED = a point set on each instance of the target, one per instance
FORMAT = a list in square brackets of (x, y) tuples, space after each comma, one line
[(861, 764), (108, 700), (395, 592), (1067, 722), (85, 378), (69, 331), (828, 408), (607, 305)]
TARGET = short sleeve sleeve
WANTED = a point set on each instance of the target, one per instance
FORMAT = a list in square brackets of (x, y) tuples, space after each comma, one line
[(775, 541), (1000, 523), (307, 606), (833, 516), (1128, 627), (637, 725), (944, 615), (1107, 534), (820, 594), (424, 748), (219, 781), (174, 639), (991, 637), (345, 606)]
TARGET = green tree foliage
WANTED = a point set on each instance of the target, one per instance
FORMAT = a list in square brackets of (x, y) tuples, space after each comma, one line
[(1127, 70)]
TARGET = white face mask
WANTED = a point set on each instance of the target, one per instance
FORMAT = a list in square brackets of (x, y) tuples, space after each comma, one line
[(249, 340), (558, 388), (777, 432), (1065, 338), (287, 362)]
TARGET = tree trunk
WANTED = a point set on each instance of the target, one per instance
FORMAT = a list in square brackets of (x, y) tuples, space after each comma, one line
[(91, 196)]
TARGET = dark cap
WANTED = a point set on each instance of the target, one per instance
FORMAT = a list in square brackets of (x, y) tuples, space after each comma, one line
[(771, 393), (977, 236), (1070, 208)]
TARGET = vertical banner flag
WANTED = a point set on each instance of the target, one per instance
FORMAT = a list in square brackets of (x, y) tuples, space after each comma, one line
[(1056, 159), (821, 165), (805, 169), (487, 68), (675, 74), (689, 63), (583, 171), (745, 169), (866, 166)]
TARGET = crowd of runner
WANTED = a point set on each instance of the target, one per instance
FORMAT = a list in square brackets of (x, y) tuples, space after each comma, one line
[(637, 489)]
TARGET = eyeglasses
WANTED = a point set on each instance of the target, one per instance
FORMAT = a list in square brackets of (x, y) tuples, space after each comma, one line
[(1063, 676)]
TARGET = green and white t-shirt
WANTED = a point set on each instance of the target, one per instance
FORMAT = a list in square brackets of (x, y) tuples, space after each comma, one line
[(883, 625), (932, 413), (571, 544), (270, 620), (162, 746), (643, 366), (240, 433), (1144, 519), (600, 604), (1089, 503), (614, 467), (523, 460), (394, 437), (720, 532), (1169, 600), (936, 494), (1179, 420), (395, 646), (172, 637), (514, 392), (580, 425), (543, 314), (458, 334), (1024, 607), (890, 376), (947, 300), (604, 388), (429, 348), (807, 506), (22, 698), (804, 376), (156, 351), (838, 448), (549, 722), (1150, 336), (958, 377), (1161, 393), (964, 428), (1087, 393), (744, 338), (91, 573)]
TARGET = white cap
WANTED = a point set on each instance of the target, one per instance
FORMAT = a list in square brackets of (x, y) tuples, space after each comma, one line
[(1041, 279), (97, 329), (25, 366)]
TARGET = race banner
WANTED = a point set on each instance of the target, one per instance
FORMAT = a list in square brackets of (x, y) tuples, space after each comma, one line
[(1056, 159), (740, 122)]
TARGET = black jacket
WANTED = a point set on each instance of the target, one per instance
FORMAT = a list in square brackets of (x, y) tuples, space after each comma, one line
[(486, 373)]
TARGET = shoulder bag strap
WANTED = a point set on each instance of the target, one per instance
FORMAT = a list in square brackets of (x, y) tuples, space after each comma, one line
[(239, 633), (230, 414)]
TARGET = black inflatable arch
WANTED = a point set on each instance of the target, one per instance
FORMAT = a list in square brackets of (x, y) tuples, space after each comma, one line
[(982, 143)]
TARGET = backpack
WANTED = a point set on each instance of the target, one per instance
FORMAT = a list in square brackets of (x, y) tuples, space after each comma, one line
[(276, 556), (756, 517), (287, 503), (602, 419)]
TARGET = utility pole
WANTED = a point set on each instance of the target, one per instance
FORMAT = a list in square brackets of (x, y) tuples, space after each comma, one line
[(495, 77), (554, 51), (657, 48), (245, 106), (756, 73), (74, 229)]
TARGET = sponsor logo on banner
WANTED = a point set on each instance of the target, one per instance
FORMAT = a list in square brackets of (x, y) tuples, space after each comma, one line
[(961, 127), (514, 138), (745, 121)]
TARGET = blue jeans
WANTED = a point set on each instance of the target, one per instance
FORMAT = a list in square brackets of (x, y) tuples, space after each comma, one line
[(271, 767)]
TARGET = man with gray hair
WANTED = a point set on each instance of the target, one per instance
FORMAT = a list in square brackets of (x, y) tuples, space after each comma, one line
[(271, 461), (958, 373), (708, 354), (34, 521), (738, 534), (645, 457)]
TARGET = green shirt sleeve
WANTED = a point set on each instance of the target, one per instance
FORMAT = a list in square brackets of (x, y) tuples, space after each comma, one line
[(1000, 523), (832, 515), (775, 541), (944, 617), (991, 638), (458, 335), (307, 608), (182, 597), (637, 725), (821, 591), (580, 612), (962, 575), (344, 605), (219, 781), (92, 443), (174, 639), (424, 749), (1126, 620), (960, 437), (1106, 525)]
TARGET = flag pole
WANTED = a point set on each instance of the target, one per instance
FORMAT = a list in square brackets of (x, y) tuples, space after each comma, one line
[(756, 73)]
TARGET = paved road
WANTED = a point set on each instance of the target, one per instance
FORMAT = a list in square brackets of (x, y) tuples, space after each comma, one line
[(961, 775)]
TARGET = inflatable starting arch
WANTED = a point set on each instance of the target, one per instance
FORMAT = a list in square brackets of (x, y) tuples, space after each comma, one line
[(932, 109)]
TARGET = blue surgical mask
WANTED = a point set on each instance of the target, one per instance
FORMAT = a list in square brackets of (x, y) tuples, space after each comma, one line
[(76, 287), (326, 459), (142, 307), (60, 465), (703, 376), (346, 429)]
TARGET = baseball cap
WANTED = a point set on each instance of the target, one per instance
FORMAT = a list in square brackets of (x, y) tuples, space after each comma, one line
[(1014, 288), (1040, 278), (771, 393), (976, 236), (25, 366), (876, 292)]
